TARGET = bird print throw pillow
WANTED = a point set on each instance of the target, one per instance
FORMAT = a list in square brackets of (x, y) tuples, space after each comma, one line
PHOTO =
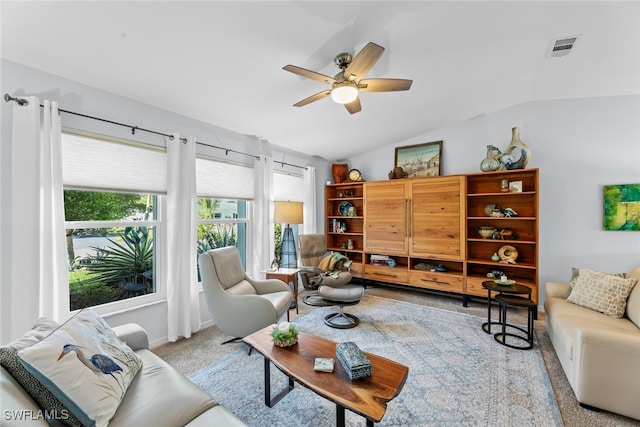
[(85, 365)]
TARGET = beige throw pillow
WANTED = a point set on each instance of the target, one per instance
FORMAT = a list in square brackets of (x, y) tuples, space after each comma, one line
[(633, 302), (601, 292), (85, 366)]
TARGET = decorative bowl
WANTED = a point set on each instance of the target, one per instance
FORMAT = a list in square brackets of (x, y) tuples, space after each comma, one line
[(344, 207), (486, 232), (505, 283)]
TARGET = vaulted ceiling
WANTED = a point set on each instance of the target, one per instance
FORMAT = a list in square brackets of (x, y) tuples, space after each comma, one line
[(221, 62)]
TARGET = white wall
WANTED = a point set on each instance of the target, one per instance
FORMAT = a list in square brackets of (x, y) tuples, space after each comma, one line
[(579, 145), (73, 96)]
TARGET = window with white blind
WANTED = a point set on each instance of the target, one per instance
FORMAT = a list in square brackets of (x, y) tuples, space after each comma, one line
[(113, 191), (225, 191)]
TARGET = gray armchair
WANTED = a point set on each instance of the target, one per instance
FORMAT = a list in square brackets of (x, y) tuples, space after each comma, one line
[(238, 304), (321, 272)]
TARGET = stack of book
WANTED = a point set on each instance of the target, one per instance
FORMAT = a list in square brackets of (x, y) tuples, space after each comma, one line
[(379, 259), (353, 360)]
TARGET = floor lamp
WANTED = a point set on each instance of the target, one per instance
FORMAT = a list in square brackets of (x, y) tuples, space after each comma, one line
[(288, 213)]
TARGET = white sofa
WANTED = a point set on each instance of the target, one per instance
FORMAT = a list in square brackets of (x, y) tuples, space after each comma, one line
[(600, 354), (158, 396)]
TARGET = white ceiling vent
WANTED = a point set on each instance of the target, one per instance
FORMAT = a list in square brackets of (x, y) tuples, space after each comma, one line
[(562, 46)]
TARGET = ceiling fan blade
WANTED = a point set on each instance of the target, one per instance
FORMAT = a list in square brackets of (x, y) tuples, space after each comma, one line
[(384, 85), (309, 74), (354, 106), (363, 61), (317, 97)]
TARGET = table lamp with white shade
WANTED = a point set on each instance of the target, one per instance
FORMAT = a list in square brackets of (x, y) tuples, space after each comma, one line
[(288, 213)]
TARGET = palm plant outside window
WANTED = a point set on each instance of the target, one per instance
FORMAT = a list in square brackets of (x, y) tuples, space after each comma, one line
[(222, 222), (110, 246)]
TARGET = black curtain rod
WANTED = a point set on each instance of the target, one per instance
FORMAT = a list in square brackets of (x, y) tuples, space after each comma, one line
[(20, 101), (289, 164)]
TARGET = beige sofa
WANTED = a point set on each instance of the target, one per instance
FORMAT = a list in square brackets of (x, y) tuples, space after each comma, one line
[(600, 354), (159, 396)]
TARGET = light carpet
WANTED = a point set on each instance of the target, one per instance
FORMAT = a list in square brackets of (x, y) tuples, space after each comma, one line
[(458, 374)]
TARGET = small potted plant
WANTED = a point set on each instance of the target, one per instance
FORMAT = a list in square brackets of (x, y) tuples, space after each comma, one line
[(285, 334)]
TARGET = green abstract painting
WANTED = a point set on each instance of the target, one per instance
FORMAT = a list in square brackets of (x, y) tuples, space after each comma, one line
[(622, 207)]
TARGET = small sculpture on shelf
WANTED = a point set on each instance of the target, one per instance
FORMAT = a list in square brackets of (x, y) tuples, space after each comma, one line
[(508, 254), (397, 173), (339, 172), (490, 208), (506, 234), (492, 161), (515, 156)]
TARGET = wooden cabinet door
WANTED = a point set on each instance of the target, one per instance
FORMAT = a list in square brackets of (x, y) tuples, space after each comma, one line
[(437, 218), (386, 217)]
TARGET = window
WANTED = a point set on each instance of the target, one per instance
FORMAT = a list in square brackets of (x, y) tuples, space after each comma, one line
[(225, 191), (113, 192), (111, 241), (222, 222)]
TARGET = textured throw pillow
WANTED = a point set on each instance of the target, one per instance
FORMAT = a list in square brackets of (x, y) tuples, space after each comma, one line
[(601, 292), (575, 272), (49, 404), (633, 302), (85, 365)]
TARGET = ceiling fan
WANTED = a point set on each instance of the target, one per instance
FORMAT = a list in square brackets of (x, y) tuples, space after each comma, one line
[(349, 81)]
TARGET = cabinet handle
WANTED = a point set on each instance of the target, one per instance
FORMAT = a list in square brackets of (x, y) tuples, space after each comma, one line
[(409, 214), (434, 280), (385, 275), (406, 210)]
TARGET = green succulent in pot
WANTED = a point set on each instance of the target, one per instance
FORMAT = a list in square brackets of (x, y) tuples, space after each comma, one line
[(285, 334)]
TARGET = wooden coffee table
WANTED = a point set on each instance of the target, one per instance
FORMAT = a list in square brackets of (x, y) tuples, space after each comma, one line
[(366, 396)]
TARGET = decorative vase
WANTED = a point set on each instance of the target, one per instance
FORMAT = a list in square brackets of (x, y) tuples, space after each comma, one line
[(517, 154), (491, 162), (495, 257), (339, 172)]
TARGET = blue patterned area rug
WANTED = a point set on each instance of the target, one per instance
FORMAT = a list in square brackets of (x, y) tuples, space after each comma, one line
[(458, 374)]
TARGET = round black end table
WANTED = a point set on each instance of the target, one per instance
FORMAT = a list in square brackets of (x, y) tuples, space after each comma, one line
[(492, 286), (515, 301)]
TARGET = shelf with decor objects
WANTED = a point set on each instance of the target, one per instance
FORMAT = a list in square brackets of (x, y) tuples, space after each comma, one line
[(344, 207), (502, 228)]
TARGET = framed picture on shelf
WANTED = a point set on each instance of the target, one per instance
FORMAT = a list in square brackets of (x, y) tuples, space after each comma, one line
[(420, 160), (515, 186)]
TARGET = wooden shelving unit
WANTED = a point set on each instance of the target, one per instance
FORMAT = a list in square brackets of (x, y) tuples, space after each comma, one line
[(434, 222), (484, 190), (341, 227)]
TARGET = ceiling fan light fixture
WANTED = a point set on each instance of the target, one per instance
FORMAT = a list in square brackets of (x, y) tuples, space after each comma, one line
[(344, 92)]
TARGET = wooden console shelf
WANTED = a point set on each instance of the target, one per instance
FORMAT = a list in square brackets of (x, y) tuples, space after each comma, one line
[(432, 222)]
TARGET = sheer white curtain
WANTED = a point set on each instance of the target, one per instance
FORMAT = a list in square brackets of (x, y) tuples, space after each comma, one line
[(37, 256), (180, 263), (309, 211), (261, 244)]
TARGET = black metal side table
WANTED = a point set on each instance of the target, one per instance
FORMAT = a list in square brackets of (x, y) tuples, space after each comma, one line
[(515, 301), (492, 286)]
